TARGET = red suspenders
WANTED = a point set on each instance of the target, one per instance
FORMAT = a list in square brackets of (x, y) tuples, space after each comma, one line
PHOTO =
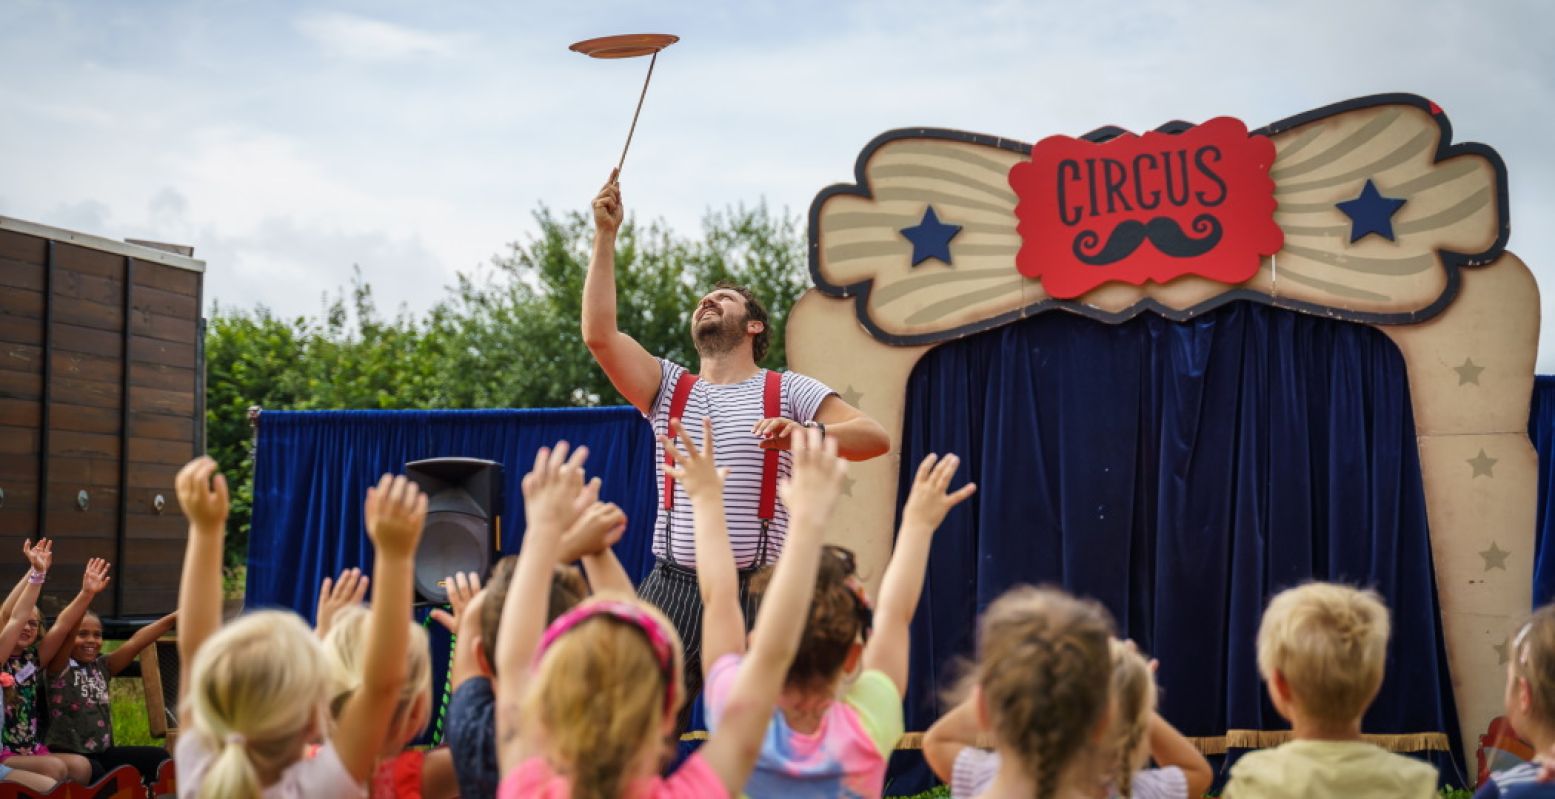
[(771, 407), (677, 410)]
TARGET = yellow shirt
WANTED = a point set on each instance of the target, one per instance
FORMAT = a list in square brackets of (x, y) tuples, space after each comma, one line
[(1348, 769)]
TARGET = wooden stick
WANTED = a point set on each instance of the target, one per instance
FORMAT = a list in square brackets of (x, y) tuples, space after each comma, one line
[(639, 110)]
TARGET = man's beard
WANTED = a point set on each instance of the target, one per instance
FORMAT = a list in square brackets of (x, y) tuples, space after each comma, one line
[(719, 337)]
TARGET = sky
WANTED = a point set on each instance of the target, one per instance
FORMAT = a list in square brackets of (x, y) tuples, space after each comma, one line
[(288, 142)]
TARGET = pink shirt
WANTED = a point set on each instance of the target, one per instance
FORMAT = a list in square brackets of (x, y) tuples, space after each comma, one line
[(534, 779)]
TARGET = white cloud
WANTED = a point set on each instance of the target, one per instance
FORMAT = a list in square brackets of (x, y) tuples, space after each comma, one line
[(361, 39)]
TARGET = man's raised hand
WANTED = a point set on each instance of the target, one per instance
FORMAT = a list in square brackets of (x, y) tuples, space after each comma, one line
[(608, 212)]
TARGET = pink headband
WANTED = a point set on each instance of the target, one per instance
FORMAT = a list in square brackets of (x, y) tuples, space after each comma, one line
[(629, 614)]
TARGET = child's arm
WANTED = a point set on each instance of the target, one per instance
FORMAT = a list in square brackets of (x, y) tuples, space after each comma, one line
[(955, 731), (54, 650), (723, 621), (464, 591), (119, 659), (598, 527), (810, 495), (926, 507), (1168, 747), (439, 780), (466, 639), (396, 510), (336, 595), (551, 501), (202, 493), (28, 550), (41, 557)]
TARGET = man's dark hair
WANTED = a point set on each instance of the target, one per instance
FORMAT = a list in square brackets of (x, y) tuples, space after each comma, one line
[(754, 312)]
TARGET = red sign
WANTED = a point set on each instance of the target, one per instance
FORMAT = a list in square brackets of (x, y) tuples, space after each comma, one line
[(1152, 207)]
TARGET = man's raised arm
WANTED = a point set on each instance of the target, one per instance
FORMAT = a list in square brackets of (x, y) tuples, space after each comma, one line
[(631, 369)]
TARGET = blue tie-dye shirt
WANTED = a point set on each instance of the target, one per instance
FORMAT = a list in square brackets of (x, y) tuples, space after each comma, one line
[(845, 758)]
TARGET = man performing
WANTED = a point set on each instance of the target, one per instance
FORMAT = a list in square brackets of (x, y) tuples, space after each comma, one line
[(754, 412)]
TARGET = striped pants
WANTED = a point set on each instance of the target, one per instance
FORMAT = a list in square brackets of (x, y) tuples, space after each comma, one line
[(673, 589)]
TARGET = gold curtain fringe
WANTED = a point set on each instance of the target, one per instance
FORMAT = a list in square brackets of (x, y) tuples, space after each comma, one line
[(1234, 739), (1264, 739)]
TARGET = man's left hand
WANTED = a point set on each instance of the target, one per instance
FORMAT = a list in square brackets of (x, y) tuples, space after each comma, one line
[(776, 432)]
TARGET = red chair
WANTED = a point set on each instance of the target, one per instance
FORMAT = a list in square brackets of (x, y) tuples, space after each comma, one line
[(166, 786)]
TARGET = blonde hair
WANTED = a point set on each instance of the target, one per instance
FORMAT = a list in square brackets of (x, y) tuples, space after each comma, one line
[(347, 643), (1043, 669), (1533, 659), (1133, 702), (257, 689), (1330, 643), (599, 695)]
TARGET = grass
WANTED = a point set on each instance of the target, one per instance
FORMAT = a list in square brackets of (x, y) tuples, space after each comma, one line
[(127, 697)]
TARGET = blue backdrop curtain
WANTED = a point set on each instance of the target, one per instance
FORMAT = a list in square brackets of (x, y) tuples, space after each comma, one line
[(312, 471), (1181, 473), (1541, 430)]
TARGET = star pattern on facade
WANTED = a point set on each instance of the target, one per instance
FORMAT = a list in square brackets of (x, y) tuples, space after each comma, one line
[(1468, 372), (1500, 653), (847, 486), (1495, 557), (1482, 464), (851, 396)]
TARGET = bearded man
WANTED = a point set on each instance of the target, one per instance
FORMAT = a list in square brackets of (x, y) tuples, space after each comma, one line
[(754, 413)]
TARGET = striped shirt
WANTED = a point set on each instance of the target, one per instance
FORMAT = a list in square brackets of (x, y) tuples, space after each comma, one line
[(1518, 781), (734, 409)]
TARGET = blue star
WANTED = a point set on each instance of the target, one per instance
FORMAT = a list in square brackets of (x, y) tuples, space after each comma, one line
[(1371, 213), (930, 238)]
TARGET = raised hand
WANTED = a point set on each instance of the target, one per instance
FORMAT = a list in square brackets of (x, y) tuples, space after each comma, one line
[(95, 579), (695, 468), (462, 587), (608, 212), (816, 482), (202, 493), (396, 510), (553, 488), (40, 555), (928, 501), (596, 529), (336, 595)]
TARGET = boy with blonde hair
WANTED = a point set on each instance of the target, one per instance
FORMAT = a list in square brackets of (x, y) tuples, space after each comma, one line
[(1321, 651)]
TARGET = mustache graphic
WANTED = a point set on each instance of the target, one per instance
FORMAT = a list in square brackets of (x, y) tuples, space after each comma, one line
[(1162, 231)]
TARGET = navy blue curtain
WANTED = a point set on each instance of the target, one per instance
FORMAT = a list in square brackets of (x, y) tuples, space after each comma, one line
[(312, 471), (1541, 431), (1181, 473), (313, 468)]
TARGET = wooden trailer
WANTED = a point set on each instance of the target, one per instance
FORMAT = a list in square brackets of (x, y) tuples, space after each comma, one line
[(102, 387)]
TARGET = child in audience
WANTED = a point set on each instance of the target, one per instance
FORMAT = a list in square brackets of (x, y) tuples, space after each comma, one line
[(1321, 650), (258, 689), (401, 772), (590, 717), (1136, 733), (24, 748), (80, 718), (471, 728), (18, 618), (1041, 690), (1530, 706), (826, 739)]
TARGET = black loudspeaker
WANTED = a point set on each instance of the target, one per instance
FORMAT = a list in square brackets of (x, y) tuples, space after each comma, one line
[(464, 520)]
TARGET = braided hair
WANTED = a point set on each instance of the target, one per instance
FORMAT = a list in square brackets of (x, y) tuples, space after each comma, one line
[(1043, 669)]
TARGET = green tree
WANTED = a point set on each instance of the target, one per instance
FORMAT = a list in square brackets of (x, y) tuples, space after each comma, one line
[(507, 336)]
